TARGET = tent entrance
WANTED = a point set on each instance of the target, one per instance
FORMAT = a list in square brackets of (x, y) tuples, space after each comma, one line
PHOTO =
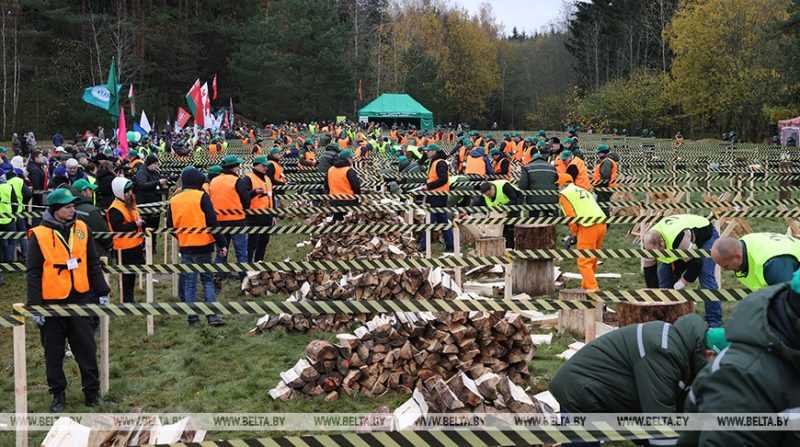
[(396, 121)]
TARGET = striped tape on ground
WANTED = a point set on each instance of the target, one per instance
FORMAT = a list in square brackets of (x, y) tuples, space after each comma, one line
[(523, 437)]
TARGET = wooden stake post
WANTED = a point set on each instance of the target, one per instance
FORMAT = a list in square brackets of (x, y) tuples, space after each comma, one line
[(148, 256), (20, 384)]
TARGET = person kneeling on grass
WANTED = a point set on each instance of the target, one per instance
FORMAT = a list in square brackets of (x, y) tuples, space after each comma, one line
[(640, 368), (192, 208)]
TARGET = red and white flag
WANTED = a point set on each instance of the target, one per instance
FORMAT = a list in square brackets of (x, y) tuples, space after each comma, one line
[(208, 120), (195, 103), (214, 88), (182, 118)]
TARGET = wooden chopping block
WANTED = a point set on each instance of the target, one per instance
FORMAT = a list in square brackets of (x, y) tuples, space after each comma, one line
[(528, 276), (579, 322), (490, 246), (632, 313)]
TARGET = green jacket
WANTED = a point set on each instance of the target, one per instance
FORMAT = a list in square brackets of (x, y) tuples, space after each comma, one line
[(758, 373), (644, 367), (90, 214)]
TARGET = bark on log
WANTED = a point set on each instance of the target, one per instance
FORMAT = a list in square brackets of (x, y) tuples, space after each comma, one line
[(490, 246), (533, 277), (632, 313), (579, 322)]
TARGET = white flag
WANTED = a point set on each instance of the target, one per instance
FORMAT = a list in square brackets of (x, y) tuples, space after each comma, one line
[(144, 123)]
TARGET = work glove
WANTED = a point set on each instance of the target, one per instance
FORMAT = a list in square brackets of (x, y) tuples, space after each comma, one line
[(570, 241), (39, 320), (103, 300), (680, 284)]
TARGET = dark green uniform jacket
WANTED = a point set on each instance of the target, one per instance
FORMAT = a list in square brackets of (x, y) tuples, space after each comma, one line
[(638, 368), (758, 373)]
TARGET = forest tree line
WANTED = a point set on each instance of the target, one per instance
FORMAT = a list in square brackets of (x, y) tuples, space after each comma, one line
[(697, 66)]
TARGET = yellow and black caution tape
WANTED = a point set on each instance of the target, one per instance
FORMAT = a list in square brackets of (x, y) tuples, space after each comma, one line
[(305, 307), (9, 321), (522, 437)]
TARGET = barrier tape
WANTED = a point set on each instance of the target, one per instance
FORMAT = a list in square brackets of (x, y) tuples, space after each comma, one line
[(9, 321), (302, 190), (305, 211), (380, 228), (305, 307), (545, 435), (408, 262), (350, 307)]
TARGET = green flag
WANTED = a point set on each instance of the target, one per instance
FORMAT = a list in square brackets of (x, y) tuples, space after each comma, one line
[(113, 89)]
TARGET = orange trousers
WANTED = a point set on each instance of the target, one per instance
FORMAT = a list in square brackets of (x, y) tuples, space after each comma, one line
[(589, 238)]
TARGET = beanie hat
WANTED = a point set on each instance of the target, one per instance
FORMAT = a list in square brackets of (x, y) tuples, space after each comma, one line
[(191, 177), (60, 171), (119, 186), (72, 163)]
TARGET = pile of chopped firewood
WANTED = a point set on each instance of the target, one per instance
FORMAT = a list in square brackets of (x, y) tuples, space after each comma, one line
[(267, 283), (391, 352)]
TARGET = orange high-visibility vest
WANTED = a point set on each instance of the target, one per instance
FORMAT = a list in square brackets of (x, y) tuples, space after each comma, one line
[(475, 166), (57, 280), (188, 213), (129, 217), (278, 172), (614, 168), (337, 181), (344, 143), (224, 197), (432, 176), (263, 201), (213, 149)]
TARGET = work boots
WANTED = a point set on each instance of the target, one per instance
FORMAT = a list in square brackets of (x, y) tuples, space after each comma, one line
[(57, 406)]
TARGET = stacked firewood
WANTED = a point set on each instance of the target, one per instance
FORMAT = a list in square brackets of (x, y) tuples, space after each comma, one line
[(392, 352), (267, 283)]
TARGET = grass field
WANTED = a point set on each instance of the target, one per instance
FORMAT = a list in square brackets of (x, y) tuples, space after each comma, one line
[(203, 369)]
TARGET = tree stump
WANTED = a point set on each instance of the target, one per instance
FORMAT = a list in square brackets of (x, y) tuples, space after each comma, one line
[(785, 166), (490, 246), (581, 323), (528, 276), (632, 313)]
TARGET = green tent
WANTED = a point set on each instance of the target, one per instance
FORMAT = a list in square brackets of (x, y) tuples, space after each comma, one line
[(397, 108)]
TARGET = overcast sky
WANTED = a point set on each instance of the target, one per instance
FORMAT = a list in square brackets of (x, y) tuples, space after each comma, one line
[(526, 15)]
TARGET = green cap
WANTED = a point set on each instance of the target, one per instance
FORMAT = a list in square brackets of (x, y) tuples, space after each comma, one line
[(60, 196), (495, 152), (215, 169), (568, 140), (346, 154), (133, 154), (275, 150), (796, 282), (541, 145), (82, 184), (3, 149), (565, 154), (261, 160), (432, 147), (529, 140), (603, 148), (231, 160), (541, 133), (715, 339), (402, 158)]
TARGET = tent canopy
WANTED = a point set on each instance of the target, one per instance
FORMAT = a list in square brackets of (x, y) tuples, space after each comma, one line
[(398, 107)]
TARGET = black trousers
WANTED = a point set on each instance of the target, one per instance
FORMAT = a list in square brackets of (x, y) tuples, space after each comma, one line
[(257, 243), (79, 331), (131, 256), (604, 196)]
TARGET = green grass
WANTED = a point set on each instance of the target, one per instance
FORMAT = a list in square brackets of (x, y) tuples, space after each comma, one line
[(183, 369)]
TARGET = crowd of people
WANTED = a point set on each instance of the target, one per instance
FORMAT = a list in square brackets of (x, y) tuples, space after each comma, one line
[(691, 364)]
